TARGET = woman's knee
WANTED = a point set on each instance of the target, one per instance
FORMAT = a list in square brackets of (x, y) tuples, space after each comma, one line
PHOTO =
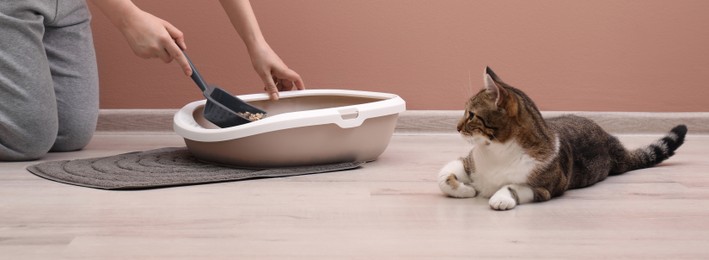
[(73, 138), (30, 142)]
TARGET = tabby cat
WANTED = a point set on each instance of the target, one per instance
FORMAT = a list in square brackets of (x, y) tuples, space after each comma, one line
[(519, 157)]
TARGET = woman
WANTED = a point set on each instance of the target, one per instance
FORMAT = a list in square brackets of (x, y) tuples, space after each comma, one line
[(48, 75)]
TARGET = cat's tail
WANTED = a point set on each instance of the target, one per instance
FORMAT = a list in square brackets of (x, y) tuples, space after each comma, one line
[(648, 156)]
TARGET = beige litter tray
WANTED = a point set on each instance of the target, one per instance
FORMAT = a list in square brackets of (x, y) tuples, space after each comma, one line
[(306, 127)]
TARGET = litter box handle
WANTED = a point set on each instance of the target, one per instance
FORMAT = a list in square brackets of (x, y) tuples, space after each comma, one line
[(349, 118)]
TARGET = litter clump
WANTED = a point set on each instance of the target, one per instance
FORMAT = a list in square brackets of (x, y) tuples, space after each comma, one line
[(251, 116)]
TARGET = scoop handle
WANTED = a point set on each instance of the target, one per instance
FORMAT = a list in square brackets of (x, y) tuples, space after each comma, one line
[(196, 76)]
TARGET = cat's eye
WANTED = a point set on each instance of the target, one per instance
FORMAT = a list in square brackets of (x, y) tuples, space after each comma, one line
[(472, 116)]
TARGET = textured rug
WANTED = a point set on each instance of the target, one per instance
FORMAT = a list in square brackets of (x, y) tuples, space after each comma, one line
[(165, 167)]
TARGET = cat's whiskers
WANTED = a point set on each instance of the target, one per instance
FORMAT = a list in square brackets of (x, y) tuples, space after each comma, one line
[(469, 89)]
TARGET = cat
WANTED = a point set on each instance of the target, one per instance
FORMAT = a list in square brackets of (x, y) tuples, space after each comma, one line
[(519, 157)]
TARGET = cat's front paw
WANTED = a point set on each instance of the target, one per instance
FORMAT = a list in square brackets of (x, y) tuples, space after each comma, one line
[(502, 200), (454, 181), (454, 188)]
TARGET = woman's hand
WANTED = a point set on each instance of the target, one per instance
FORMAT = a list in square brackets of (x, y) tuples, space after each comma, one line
[(276, 76), (273, 72), (147, 35), (152, 37)]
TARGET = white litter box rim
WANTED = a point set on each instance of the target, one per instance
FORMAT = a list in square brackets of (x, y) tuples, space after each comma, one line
[(351, 116)]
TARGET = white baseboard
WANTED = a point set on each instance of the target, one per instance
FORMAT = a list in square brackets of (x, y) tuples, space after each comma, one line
[(439, 121), (434, 121)]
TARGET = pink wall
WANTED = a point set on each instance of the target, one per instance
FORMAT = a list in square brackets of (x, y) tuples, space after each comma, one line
[(601, 55)]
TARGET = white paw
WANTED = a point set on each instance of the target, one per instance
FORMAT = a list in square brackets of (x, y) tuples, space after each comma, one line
[(453, 181), (456, 189), (502, 200)]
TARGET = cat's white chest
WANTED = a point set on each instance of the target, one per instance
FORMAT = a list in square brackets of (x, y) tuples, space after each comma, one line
[(499, 164)]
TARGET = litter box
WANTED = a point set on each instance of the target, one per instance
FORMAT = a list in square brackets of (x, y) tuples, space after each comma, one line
[(305, 127)]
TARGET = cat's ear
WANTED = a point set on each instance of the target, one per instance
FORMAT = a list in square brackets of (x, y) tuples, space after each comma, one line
[(493, 87), (492, 74)]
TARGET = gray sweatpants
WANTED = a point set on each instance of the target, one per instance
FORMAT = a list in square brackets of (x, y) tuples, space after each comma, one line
[(48, 78)]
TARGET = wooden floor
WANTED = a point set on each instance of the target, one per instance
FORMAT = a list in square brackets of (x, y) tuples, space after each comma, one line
[(389, 209)]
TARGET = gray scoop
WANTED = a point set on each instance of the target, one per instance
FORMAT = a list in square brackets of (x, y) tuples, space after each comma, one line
[(224, 109)]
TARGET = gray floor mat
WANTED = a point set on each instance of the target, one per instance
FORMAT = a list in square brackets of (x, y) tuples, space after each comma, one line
[(165, 167)]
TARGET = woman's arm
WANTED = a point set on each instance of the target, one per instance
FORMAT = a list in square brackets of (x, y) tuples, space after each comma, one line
[(147, 35), (273, 71)]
